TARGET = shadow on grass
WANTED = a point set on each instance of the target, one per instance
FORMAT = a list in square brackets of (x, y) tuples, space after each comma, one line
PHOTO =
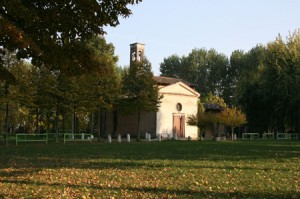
[(86, 155), (157, 190)]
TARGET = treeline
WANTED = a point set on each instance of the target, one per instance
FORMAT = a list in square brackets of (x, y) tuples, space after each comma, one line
[(39, 100), (263, 82)]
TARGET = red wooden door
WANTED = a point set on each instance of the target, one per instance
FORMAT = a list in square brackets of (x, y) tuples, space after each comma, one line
[(179, 125)]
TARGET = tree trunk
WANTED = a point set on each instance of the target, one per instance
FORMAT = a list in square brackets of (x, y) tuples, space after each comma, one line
[(56, 126), (232, 133), (37, 121), (63, 123), (115, 115), (73, 122), (102, 122), (92, 123), (6, 113), (138, 127), (99, 123), (6, 124)]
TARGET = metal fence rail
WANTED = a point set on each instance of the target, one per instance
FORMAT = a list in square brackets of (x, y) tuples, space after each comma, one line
[(31, 138)]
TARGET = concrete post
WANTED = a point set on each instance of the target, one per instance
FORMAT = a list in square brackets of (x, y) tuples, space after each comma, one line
[(119, 138), (109, 138), (128, 137)]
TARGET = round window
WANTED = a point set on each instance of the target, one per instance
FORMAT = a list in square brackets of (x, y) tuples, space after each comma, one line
[(178, 107)]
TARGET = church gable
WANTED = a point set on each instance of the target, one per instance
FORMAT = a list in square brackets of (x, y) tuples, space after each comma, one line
[(179, 88)]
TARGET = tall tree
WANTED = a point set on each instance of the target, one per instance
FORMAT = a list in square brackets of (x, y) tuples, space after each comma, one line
[(171, 66), (7, 62), (206, 69), (140, 91)]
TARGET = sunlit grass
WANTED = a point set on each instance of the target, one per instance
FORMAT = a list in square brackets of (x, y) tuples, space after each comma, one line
[(168, 169)]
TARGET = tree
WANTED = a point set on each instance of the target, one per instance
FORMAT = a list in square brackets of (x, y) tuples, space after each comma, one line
[(7, 62), (249, 88), (268, 89), (171, 66), (206, 69), (207, 118), (53, 33), (139, 90), (233, 118), (202, 120)]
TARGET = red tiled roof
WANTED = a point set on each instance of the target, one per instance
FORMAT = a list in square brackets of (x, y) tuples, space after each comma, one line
[(169, 80)]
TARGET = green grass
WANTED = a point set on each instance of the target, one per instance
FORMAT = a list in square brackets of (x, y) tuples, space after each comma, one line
[(181, 169)]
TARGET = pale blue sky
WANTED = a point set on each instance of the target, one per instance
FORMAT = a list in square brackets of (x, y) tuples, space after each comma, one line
[(169, 27)]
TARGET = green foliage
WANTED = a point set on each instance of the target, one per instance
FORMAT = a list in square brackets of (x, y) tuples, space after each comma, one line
[(151, 170), (53, 33), (44, 99), (204, 118), (139, 90), (214, 99), (206, 69), (269, 90), (232, 117)]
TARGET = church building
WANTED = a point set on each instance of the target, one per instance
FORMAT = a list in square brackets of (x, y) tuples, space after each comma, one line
[(179, 101)]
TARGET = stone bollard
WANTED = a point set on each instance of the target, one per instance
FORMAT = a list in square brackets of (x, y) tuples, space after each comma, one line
[(159, 137), (109, 138), (149, 137), (128, 137), (82, 136), (146, 136), (119, 138)]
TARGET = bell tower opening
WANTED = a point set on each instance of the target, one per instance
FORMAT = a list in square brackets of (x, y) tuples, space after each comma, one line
[(137, 52)]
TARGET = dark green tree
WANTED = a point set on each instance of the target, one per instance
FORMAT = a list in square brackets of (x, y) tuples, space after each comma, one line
[(139, 90), (171, 66), (206, 69), (53, 33)]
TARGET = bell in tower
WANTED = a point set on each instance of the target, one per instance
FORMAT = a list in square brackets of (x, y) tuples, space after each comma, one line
[(137, 52)]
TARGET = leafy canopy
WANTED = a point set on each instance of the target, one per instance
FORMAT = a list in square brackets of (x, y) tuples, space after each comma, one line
[(53, 33)]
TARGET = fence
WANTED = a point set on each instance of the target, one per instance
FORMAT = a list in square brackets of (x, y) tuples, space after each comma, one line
[(31, 138)]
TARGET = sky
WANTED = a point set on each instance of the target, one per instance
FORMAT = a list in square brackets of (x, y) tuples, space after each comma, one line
[(168, 27)]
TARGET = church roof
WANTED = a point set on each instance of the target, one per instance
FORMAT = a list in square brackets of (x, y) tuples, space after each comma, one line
[(161, 80)]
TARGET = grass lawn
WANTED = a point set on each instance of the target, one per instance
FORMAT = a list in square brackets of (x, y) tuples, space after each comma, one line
[(169, 169)]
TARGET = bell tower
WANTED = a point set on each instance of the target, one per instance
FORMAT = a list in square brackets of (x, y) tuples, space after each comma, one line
[(137, 52)]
